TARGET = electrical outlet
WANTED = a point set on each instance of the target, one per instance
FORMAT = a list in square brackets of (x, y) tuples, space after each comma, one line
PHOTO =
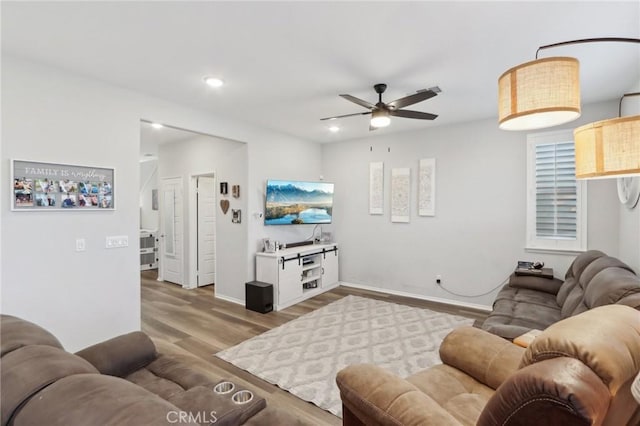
[(438, 279)]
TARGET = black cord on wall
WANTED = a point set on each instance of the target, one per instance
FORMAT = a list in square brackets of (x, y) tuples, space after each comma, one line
[(475, 295)]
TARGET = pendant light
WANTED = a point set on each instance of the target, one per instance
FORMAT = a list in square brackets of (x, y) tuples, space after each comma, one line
[(540, 93), (608, 148), (544, 92)]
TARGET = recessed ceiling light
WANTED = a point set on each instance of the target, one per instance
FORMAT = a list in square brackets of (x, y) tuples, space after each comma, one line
[(213, 81), (157, 125), (334, 129)]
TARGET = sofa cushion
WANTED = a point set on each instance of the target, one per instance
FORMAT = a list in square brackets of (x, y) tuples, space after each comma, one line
[(610, 286), (96, 399), (17, 333), (121, 355), (566, 288), (517, 310), (179, 372), (546, 285), (581, 262), (575, 272), (27, 370), (455, 391), (166, 377), (599, 281)]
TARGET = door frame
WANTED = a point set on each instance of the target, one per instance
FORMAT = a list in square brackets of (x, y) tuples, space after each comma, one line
[(192, 272), (161, 263)]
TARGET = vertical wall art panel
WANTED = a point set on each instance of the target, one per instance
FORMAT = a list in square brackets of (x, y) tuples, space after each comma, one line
[(427, 187), (376, 188), (400, 194)]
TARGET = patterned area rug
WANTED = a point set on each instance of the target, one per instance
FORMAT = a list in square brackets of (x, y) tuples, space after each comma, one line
[(304, 355)]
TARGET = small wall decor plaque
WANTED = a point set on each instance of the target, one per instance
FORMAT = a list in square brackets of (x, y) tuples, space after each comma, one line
[(54, 186), (224, 188), (235, 191), (224, 205), (236, 216)]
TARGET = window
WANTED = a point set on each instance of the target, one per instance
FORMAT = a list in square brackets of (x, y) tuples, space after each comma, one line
[(556, 202)]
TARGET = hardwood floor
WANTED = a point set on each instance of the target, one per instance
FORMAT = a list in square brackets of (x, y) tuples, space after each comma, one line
[(195, 323)]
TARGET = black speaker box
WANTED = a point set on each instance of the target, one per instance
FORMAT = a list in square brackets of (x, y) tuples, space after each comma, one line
[(259, 296)]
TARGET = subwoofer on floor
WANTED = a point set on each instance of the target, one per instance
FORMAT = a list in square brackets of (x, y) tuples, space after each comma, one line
[(259, 296)]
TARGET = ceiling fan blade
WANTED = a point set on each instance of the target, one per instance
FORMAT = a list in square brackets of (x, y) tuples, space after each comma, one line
[(346, 115), (412, 99), (412, 114), (358, 101)]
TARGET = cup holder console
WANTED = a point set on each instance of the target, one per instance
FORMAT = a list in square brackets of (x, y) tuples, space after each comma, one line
[(242, 397), (224, 387)]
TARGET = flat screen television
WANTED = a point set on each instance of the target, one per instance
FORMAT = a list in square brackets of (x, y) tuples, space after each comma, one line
[(295, 203)]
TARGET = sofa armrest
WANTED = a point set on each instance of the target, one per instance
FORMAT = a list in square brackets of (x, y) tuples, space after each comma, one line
[(551, 286), (554, 391), (374, 396), (484, 356), (121, 355)]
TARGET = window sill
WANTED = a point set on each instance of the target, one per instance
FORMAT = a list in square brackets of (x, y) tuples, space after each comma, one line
[(553, 251)]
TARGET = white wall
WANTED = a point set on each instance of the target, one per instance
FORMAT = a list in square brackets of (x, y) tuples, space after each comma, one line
[(148, 182), (629, 231), (87, 297), (82, 297), (280, 159), (228, 159), (478, 232)]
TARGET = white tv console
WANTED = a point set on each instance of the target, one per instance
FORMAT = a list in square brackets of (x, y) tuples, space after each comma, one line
[(298, 273)]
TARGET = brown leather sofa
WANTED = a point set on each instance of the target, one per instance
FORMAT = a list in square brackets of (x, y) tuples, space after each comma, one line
[(593, 279), (122, 381), (577, 372)]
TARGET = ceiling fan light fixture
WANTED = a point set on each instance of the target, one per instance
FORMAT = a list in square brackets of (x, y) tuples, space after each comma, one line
[(213, 81), (380, 118), (538, 94)]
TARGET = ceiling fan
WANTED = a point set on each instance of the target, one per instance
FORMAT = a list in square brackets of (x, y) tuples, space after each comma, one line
[(381, 111)]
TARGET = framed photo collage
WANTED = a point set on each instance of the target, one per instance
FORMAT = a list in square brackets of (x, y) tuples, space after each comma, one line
[(51, 186)]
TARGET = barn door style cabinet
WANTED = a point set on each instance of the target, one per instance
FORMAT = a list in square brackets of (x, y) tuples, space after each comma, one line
[(298, 273)]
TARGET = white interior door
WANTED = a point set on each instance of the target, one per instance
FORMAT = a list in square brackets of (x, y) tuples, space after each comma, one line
[(206, 201), (172, 224)]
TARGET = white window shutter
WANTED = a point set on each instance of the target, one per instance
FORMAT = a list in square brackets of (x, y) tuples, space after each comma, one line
[(556, 202)]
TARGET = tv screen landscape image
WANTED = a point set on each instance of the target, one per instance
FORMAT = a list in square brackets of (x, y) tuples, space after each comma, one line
[(294, 203)]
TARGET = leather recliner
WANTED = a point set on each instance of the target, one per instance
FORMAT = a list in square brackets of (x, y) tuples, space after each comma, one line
[(577, 372)]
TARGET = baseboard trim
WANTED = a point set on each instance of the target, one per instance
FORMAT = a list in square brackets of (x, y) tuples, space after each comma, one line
[(475, 306), (229, 299)]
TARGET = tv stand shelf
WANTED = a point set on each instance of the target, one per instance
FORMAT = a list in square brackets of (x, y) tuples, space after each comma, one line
[(298, 273)]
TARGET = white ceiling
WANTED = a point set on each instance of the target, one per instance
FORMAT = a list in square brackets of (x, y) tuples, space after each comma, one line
[(284, 63)]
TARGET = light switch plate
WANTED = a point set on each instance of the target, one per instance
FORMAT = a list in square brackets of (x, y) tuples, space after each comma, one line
[(80, 244), (117, 242)]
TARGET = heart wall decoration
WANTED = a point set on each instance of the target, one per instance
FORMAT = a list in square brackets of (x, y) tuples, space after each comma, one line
[(224, 205)]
